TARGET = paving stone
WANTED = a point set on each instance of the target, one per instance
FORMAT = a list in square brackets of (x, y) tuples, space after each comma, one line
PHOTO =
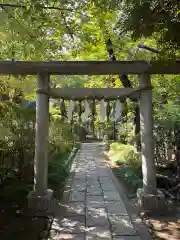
[(103, 172), (92, 171), (79, 182), (98, 233), (74, 208), (94, 191), (71, 224), (95, 201), (92, 178), (80, 176), (111, 196), (127, 238), (89, 158), (93, 182), (79, 169), (69, 236), (108, 182), (77, 196), (108, 187), (116, 207), (79, 186), (121, 225), (94, 185), (105, 179), (96, 217), (90, 168)]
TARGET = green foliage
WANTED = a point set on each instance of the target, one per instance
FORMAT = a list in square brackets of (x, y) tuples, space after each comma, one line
[(166, 130), (60, 136), (126, 131), (106, 128), (160, 19), (18, 129), (6, 172), (124, 154), (17, 190), (131, 175), (129, 161), (58, 171), (18, 135)]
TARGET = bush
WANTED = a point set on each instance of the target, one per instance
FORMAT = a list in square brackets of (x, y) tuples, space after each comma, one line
[(17, 138), (124, 154), (131, 175), (18, 135), (129, 161), (15, 190), (57, 167), (61, 138), (58, 171), (106, 128), (166, 131)]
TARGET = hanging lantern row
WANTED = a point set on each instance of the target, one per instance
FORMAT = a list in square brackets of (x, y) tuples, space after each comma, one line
[(106, 109)]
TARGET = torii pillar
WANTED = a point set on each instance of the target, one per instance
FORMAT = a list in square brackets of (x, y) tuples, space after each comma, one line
[(39, 198), (150, 198)]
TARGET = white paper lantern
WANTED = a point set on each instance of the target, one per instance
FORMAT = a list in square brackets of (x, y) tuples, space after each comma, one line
[(102, 111), (118, 110), (70, 110)]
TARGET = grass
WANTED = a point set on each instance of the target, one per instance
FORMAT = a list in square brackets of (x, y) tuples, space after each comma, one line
[(128, 161)]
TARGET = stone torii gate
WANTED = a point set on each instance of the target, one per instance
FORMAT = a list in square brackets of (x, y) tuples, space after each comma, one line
[(40, 197)]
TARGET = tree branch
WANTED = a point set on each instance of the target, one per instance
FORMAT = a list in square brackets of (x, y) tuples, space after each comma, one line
[(11, 16), (67, 27), (40, 6), (148, 48), (123, 78), (126, 83)]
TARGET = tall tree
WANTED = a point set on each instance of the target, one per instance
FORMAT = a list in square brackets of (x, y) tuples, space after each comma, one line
[(158, 18), (127, 84)]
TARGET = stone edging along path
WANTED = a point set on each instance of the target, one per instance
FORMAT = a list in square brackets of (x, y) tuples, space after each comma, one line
[(49, 216)]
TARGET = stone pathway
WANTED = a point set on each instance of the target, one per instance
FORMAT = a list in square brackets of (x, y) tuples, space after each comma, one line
[(92, 207)]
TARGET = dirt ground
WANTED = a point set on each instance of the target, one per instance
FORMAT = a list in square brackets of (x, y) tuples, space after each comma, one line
[(164, 228), (16, 221)]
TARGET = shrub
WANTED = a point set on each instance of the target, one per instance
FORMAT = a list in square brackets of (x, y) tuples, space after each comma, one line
[(124, 154), (132, 175), (58, 170), (18, 135), (61, 138), (129, 161)]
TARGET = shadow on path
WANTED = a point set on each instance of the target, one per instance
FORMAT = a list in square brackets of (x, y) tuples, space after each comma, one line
[(92, 207)]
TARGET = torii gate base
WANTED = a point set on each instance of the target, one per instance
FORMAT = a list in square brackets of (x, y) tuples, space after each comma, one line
[(40, 202), (152, 203)]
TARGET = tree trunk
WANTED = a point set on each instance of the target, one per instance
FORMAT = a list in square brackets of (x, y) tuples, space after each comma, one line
[(126, 83)]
